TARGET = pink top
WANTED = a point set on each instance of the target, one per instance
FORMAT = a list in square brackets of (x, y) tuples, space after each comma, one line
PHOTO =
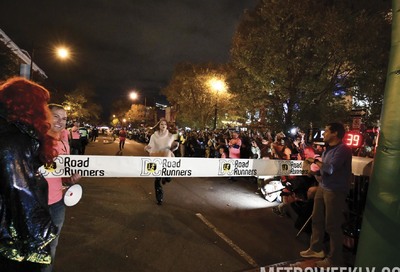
[(314, 167), (234, 148), (74, 133), (55, 184)]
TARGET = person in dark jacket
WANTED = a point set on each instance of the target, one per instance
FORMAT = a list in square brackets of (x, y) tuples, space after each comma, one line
[(26, 228), (330, 198)]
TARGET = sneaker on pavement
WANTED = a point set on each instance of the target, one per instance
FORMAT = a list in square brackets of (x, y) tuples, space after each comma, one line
[(309, 253), (323, 263)]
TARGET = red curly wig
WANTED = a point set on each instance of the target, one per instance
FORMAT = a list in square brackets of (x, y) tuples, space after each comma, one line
[(26, 101)]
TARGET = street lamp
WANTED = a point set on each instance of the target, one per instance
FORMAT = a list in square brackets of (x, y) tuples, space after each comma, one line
[(133, 95), (218, 86), (31, 63), (62, 52)]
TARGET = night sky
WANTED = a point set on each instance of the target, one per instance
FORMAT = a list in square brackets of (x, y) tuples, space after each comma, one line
[(120, 45)]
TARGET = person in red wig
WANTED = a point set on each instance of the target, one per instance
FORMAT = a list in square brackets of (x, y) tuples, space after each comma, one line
[(26, 228)]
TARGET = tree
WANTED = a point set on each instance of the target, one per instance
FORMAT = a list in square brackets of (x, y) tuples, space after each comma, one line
[(194, 100), (119, 109), (74, 103), (136, 114), (80, 105), (300, 63), (372, 56)]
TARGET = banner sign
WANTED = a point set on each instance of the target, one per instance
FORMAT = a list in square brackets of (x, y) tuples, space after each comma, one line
[(131, 166)]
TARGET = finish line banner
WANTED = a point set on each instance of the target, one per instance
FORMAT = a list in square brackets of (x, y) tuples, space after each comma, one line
[(130, 166)]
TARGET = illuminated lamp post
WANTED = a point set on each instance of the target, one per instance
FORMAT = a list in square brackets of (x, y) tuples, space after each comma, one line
[(61, 52), (25, 67), (134, 96), (218, 86)]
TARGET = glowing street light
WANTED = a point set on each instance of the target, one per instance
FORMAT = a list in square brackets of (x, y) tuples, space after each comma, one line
[(62, 52), (133, 95), (217, 85)]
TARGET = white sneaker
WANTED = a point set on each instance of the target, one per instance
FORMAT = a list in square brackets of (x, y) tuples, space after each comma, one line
[(309, 253)]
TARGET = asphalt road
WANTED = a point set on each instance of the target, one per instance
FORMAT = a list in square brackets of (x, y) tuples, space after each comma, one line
[(204, 224)]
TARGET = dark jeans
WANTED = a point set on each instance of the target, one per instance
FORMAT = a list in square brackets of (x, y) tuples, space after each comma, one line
[(159, 190), (121, 144), (57, 213), (328, 217)]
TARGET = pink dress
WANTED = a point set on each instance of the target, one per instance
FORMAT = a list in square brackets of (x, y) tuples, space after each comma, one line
[(234, 148), (55, 184)]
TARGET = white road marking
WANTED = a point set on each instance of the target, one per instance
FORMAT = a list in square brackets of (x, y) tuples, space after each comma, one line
[(247, 257)]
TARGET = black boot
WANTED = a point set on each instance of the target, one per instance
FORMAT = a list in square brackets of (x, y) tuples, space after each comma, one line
[(159, 191)]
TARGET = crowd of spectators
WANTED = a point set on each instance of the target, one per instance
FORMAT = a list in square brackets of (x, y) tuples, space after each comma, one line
[(253, 144)]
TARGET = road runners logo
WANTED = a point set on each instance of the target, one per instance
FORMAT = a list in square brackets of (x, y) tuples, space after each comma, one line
[(151, 167), (164, 168), (284, 168), (225, 167), (53, 168), (69, 165), (287, 168), (50, 167), (236, 168)]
